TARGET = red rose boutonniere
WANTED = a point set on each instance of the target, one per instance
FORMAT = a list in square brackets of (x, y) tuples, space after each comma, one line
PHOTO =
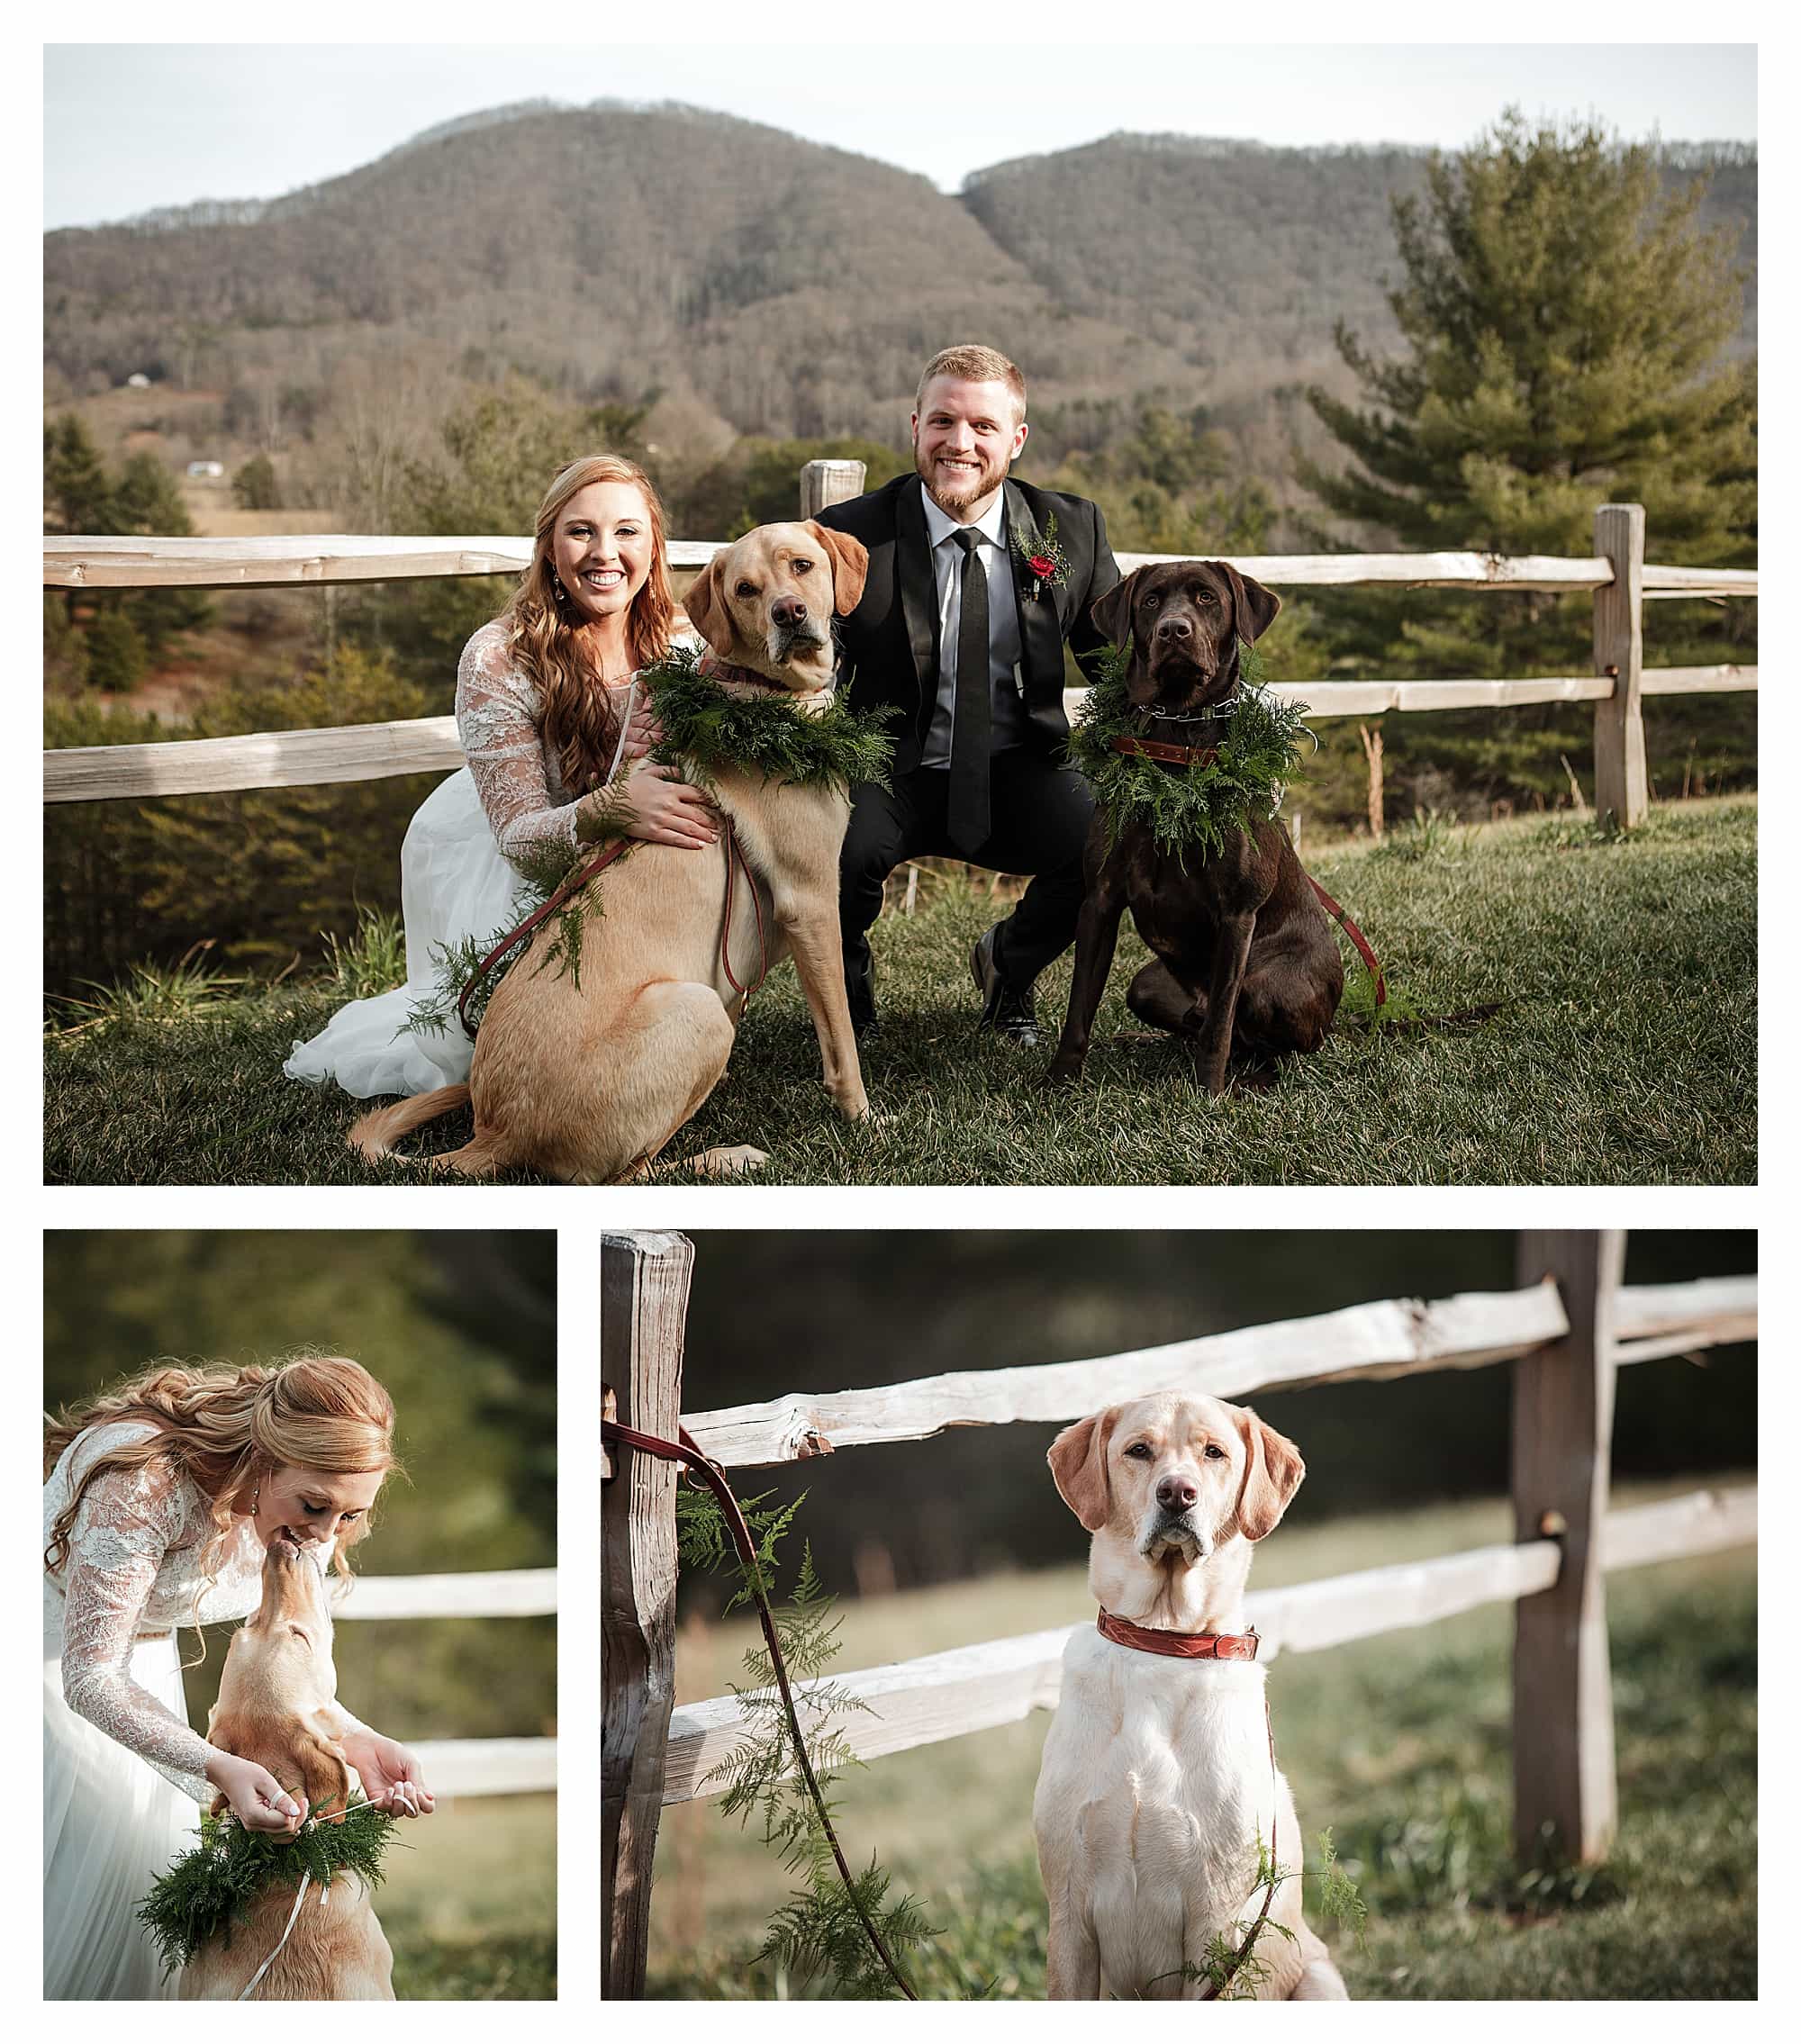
[(1045, 564)]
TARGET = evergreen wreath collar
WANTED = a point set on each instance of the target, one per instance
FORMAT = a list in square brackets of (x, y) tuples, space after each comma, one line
[(709, 730), (1189, 797), (210, 1891)]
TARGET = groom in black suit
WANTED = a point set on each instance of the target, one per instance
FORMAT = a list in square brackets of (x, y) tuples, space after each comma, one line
[(974, 584)]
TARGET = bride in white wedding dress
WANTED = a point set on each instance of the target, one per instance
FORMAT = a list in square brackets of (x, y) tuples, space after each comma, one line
[(161, 1499), (541, 699)]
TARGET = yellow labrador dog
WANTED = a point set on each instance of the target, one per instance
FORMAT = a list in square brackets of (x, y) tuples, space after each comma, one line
[(1158, 1777), (588, 1082), (278, 1706)]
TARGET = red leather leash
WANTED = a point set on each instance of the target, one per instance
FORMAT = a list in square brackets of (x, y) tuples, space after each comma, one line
[(1204, 755), (575, 882), (683, 1451), (1210, 1646), (1356, 936), (580, 879)]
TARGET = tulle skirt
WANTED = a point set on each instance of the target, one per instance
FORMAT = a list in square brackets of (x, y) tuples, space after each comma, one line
[(454, 883), (111, 1825)]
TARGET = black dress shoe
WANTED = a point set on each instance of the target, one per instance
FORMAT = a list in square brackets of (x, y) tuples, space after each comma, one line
[(866, 1029), (1009, 1013)]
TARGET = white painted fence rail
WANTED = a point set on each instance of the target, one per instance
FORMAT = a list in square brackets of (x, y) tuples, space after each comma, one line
[(1386, 1338), (467, 1766), (943, 1695), (474, 1593), (105, 561), (487, 1766)]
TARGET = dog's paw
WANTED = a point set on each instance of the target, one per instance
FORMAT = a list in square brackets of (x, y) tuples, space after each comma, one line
[(736, 1161), (1057, 1074)]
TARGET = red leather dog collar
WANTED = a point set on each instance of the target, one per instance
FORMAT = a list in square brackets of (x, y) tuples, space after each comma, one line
[(1161, 749), (1179, 1646)]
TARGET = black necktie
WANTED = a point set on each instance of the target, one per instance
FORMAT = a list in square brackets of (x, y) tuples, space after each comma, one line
[(968, 814)]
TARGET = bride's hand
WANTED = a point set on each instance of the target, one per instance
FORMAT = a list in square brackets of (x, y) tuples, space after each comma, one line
[(643, 732), (655, 804), (389, 1774), (257, 1800)]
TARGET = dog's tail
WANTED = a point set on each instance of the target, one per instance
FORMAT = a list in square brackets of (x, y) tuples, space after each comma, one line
[(376, 1134)]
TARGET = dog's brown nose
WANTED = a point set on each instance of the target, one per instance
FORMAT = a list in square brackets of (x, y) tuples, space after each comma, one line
[(1174, 627), (788, 611), (1176, 1494)]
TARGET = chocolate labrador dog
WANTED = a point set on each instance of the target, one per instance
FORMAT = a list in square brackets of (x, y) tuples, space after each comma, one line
[(1245, 967)]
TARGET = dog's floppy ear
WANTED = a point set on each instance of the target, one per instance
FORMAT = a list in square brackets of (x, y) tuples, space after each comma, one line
[(1078, 1460), (1111, 614), (850, 566), (706, 605), (311, 1769), (1272, 1472), (325, 1774), (1253, 607)]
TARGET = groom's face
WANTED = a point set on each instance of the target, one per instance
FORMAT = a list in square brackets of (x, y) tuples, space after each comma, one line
[(965, 437)]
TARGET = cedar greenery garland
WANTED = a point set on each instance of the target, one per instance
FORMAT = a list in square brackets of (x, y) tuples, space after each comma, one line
[(706, 731), (709, 730), (211, 1890), (1193, 807)]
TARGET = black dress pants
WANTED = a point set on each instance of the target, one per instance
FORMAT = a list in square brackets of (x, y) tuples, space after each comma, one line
[(1039, 813)]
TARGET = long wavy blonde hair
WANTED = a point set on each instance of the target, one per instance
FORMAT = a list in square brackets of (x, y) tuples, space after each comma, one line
[(226, 1429), (577, 721)]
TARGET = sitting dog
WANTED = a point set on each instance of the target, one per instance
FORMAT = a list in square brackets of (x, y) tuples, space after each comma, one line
[(278, 1706), (1159, 1779), (587, 1082), (1246, 965)]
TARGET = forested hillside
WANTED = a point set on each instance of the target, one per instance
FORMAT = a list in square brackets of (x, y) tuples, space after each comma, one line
[(616, 252)]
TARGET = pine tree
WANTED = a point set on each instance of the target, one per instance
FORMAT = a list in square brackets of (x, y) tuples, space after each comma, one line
[(129, 630), (1564, 322)]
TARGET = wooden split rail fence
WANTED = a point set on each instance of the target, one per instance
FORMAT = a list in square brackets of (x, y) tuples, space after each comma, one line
[(1566, 1329), (1616, 574), (467, 1766)]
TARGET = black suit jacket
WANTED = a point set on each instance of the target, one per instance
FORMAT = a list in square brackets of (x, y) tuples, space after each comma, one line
[(889, 643)]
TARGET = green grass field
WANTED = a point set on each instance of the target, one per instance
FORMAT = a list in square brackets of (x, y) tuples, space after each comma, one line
[(1623, 1051), (1400, 1744), (469, 1905)]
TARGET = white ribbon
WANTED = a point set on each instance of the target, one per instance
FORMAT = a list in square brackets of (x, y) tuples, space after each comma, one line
[(293, 1917)]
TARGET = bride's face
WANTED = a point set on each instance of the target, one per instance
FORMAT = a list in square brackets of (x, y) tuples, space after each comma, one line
[(310, 1505), (601, 549)]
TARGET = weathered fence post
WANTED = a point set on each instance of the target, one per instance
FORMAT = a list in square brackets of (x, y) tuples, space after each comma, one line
[(824, 483), (1622, 783), (644, 1304), (1563, 1424)]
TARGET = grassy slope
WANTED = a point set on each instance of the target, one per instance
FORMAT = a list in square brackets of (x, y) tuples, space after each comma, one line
[(470, 1908), (1624, 1051), (1400, 1744)]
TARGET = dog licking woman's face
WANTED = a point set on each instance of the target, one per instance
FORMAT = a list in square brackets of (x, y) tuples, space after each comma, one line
[(312, 1508), (279, 1684)]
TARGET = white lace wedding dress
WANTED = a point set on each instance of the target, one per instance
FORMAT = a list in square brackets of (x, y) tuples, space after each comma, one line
[(124, 1773), (456, 878)]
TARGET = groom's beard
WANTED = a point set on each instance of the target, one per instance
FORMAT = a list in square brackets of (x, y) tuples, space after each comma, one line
[(955, 490)]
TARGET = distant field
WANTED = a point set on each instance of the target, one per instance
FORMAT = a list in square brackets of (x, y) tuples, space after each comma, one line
[(1400, 1744), (470, 1905)]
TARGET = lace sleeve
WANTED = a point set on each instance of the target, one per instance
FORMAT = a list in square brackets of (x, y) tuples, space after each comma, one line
[(505, 750), (127, 1522)]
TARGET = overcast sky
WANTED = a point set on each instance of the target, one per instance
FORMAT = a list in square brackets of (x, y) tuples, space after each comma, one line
[(132, 126)]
